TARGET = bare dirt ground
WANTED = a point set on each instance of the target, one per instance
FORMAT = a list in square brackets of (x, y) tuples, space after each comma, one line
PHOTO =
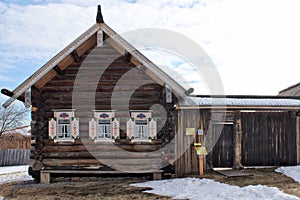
[(118, 188)]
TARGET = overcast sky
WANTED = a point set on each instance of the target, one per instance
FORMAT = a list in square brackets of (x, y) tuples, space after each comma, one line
[(254, 44)]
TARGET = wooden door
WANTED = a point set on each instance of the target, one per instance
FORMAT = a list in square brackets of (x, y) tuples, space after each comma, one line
[(269, 139), (223, 151)]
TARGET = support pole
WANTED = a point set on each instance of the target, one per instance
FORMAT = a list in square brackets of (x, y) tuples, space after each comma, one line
[(201, 165), (298, 139), (238, 141)]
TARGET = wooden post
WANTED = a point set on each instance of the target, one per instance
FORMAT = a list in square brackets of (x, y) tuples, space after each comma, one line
[(298, 139), (238, 141), (45, 177), (201, 165)]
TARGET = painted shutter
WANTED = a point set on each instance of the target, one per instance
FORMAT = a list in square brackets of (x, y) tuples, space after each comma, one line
[(152, 129), (75, 128), (130, 128), (92, 128), (116, 129), (52, 128)]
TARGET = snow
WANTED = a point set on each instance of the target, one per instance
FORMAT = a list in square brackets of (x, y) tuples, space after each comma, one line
[(293, 172), (195, 188), (13, 174)]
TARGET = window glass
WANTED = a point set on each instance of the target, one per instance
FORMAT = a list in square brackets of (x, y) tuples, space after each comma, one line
[(104, 128)]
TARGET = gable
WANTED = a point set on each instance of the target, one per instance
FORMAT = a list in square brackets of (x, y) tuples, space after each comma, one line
[(75, 52)]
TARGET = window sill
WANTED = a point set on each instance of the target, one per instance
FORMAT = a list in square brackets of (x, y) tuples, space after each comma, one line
[(104, 141), (68, 140), (141, 140)]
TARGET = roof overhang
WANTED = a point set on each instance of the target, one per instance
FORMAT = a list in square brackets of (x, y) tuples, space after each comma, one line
[(64, 59)]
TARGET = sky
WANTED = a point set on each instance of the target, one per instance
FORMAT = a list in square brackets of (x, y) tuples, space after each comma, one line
[(254, 44)]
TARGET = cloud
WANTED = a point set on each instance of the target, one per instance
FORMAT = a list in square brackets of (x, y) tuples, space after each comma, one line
[(253, 43)]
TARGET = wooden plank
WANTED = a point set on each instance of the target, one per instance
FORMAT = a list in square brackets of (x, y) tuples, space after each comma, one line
[(238, 141), (49, 76), (65, 63), (298, 139), (91, 42)]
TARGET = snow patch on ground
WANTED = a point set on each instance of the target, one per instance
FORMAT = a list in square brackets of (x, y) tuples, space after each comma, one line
[(13, 174), (195, 188), (293, 172)]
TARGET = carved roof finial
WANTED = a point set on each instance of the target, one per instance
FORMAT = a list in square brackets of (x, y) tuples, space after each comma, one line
[(99, 18)]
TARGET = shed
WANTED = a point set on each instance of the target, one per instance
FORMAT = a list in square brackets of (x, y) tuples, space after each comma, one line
[(238, 131), (100, 106)]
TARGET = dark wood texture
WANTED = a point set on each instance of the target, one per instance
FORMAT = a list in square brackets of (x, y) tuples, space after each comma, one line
[(99, 78), (269, 139), (223, 151)]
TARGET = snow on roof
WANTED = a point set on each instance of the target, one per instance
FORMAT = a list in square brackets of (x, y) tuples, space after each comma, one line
[(240, 102)]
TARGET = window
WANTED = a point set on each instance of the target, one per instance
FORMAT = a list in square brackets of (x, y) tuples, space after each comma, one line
[(104, 127), (64, 127), (141, 127)]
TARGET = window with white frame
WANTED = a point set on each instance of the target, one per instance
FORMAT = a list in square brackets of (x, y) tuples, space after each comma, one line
[(64, 127), (104, 126), (141, 126)]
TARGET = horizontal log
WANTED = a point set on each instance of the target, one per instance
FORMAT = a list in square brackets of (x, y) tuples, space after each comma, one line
[(120, 154), (109, 162)]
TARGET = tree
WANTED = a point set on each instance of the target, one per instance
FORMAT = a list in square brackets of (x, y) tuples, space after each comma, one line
[(12, 117)]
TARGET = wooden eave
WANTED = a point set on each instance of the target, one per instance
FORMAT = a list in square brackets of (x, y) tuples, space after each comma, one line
[(79, 47)]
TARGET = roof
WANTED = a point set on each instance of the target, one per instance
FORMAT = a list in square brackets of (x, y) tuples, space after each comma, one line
[(120, 44), (293, 90), (239, 103)]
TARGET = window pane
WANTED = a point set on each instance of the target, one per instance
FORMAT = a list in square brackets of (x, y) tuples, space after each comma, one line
[(141, 129), (104, 126)]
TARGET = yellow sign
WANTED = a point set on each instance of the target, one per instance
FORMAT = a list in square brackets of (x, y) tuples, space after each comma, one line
[(202, 151), (190, 131)]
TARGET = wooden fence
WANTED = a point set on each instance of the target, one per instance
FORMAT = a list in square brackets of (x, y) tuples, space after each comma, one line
[(11, 157)]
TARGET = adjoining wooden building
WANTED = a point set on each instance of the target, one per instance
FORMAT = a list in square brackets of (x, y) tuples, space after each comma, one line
[(238, 131), (87, 118), (293, 90)]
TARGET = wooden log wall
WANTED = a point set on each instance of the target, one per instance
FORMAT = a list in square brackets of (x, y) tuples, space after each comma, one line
[(93, 91)]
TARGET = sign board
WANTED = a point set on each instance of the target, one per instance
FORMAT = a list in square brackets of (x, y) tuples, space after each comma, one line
[(190, 131)]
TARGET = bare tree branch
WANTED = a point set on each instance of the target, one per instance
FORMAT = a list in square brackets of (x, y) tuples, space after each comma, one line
[(12, 117)]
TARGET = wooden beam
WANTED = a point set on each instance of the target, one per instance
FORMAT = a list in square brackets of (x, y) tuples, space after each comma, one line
[(123, 51), (238, 141), (76, 57), (298, 139), (10, 94), (59, 71), (44, 80), (92, 42), (65, 63)]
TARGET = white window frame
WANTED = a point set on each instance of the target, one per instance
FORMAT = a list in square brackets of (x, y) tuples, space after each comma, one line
[(69, 126), (138, 132), (114, 126)]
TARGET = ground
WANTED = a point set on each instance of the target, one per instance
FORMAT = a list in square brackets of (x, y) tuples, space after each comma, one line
[(119, 188)]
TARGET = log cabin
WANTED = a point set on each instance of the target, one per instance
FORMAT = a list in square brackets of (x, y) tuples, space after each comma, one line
[(101, 107)]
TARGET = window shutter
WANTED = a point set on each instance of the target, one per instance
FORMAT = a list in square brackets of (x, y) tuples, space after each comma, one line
[(92, 128), (75, 128), (152, 129), (52, 128), (116, 128), (130, 130)]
